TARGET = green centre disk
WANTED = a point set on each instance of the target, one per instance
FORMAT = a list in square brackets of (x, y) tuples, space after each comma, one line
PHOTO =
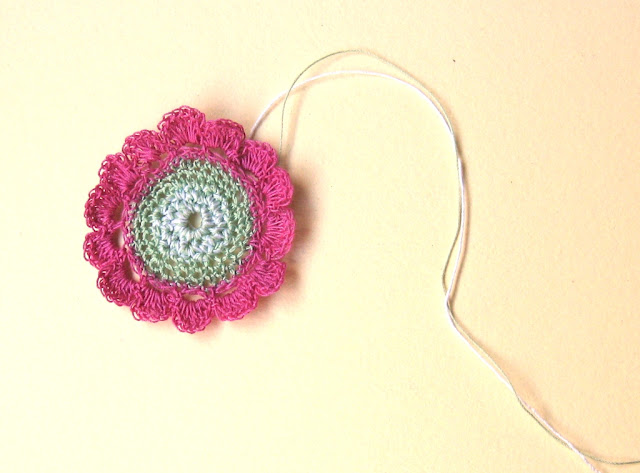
[(194, 225)]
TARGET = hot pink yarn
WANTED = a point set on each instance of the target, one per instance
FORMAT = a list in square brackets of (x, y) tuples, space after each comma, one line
[(125, 179)]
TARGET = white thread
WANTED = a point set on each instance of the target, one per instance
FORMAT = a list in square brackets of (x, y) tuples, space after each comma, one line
[(197, 243), (458, 246)]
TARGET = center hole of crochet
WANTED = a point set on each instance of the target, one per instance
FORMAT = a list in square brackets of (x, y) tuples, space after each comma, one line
[(195, 220)]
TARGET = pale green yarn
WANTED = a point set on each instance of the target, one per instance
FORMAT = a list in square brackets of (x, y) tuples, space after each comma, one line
[(174, 249)]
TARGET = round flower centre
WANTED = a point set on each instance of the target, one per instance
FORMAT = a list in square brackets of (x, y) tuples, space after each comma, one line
[(194, 225)]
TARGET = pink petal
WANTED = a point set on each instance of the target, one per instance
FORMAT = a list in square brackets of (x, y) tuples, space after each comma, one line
[(145, 146), (224, 134), (268, 276), (277, 236), (118, 173), (238, 303), (102, 207), (190, 316), (152, 305), (101, 250), (183, 125), (277, 188), (258, 157), (117, 284)]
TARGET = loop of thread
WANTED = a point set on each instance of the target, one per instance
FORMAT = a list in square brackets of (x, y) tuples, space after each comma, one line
[(451, 270)]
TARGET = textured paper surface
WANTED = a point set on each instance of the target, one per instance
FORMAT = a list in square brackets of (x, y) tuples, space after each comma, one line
[(352, 366)]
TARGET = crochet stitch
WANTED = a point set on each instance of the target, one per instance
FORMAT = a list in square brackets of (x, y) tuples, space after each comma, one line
[(194, 226), (190, 222)]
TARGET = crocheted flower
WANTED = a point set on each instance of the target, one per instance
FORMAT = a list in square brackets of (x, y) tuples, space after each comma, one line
[(190, 222)]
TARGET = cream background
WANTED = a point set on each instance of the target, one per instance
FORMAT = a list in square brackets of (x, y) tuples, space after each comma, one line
[(352, 366)]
